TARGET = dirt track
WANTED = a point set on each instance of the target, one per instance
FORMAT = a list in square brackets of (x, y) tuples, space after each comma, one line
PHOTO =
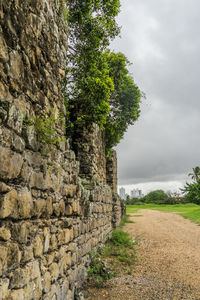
[(169, 261)]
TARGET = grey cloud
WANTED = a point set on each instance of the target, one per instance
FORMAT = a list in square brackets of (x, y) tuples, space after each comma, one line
[(161, 38)]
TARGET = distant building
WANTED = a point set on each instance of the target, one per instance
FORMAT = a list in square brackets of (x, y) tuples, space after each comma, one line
[(122, 193), (136, 193)]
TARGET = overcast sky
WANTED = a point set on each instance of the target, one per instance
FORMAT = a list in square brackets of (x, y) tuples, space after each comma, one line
[(162, 40)]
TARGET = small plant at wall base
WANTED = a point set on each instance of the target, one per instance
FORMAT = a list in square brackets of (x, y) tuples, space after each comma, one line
[(46, 128), (117, 255), (98, 271), (120, 249), (125, 220)]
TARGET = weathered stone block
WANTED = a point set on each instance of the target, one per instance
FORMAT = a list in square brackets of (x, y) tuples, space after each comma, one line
[(8, 204), (64, 237), (68, 259), (13, 256), (4, 283), (69, 210), (20, 278), (5, 234), (17, 294), (4, 187), (47, 282), (25, 203), (3, 258), (4, 50), (62, 207), (37, 181), (10, 162), (18, 143), (38, 246), (50, 258), (70, 190), (20, 232), (53, 243), (46, 239), (39, 207), (56, 209), (16, 65), (54, 270), (34, 288), (34, 269), (49, 208), (15, 119), (25, 172), (27, 254)]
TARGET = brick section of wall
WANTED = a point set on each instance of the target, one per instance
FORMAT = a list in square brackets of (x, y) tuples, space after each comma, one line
[(50, 217)]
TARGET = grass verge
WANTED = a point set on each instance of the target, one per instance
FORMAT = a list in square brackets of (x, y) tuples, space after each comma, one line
[(125, 219), (189, 211), (118, 255)]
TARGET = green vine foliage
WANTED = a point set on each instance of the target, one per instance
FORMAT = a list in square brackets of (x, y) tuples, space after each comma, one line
[(46, 128)]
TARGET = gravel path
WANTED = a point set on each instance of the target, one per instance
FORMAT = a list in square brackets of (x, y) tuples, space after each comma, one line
[(169, 261)]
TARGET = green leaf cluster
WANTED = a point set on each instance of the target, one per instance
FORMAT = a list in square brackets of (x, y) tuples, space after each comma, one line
[(121, 239), (157, 196), (192, 190), (88, 85), (124, 101), (98, 87), (98, 270), (46, 128)]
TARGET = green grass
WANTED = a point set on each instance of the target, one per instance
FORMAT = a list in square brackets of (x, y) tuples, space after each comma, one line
[(189, 211), (125, 219), (118, 253), (98, 272), (121, 246)]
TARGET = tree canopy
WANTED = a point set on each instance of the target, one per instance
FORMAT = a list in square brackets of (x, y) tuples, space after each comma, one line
[(157, 196), (192, 190), (98, 87), (124, 100)]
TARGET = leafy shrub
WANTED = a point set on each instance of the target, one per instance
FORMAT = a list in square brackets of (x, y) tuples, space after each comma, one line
[(98, 270), (158, 197), (192, 190), (119, 250), (121, 239)]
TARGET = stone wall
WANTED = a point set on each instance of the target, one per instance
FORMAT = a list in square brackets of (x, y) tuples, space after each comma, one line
[(89, 147), (111, 171), (51, 214)]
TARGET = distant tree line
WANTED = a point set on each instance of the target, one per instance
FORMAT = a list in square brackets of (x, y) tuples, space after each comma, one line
[(156, 197), (190, 193)]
